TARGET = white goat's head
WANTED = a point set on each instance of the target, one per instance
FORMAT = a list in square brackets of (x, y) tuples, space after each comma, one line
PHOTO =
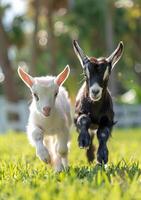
[(44, 89)]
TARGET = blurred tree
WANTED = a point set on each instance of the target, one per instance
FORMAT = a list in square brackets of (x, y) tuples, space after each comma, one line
[(35, 49), (52, 7), (43, 15), (7, 39), (127, 25), (99, 26), (9, 85), (51, 37), (109, 36)]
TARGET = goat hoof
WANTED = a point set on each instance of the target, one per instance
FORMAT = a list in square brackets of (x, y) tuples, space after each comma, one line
[(46, 161), (84, 141), (43, 155), (102, 155)]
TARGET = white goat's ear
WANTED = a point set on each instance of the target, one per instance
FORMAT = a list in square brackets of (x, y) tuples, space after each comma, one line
[(27, 79), (60, 79), (116, 55)]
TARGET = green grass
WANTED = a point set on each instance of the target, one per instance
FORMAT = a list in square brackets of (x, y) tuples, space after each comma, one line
[(23, 176)]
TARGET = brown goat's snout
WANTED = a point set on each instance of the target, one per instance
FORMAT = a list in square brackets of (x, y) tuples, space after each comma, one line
[(46, 111), (95, 92)]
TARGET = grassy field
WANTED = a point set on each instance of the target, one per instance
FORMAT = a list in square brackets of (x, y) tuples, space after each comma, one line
[(23, 176)]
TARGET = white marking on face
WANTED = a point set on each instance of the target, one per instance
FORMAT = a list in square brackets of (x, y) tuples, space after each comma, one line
[(106, 73), (95, 87)]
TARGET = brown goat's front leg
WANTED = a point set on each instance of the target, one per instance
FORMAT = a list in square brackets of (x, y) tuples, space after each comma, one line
[(83, 124), (103, 136)]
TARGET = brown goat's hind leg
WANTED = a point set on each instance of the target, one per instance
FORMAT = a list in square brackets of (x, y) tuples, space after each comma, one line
[(90, 152)]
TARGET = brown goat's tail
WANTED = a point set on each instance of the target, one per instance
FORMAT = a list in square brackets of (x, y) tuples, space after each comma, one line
[(90, 152)]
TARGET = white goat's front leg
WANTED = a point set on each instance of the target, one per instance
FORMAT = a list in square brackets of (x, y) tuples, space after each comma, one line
[(62, 147), (36, 138)]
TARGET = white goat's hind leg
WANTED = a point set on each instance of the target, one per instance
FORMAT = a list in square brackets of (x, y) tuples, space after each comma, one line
[(36, 138), (65, 162), (62, 147), (58, 167)]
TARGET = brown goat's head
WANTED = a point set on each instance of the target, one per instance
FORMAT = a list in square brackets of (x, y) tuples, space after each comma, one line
[(97, 70)]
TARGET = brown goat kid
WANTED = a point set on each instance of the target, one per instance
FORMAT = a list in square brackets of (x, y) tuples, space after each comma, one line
[(94, 107)]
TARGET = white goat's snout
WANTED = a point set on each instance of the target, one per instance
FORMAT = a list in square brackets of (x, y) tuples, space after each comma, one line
[(46, 111)]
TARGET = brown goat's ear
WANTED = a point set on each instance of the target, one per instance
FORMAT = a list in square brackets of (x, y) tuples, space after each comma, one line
[(61, 78), (84, 60), (116, 55), (27, 79)]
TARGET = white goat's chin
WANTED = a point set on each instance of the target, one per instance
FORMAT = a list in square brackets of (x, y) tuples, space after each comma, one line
[(45, 114)]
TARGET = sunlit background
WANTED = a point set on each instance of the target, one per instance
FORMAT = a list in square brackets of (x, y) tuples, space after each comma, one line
[(38, 34)]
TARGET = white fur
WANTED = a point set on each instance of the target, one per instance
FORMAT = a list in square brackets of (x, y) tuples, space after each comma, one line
[(81, 92), (50, 135), (106, 73)]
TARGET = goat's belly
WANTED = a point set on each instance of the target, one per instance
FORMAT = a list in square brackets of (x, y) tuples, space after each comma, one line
[(93, 129), (94, 126)]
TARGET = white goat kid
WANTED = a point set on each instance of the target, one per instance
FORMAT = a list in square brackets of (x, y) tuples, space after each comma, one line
[(49, 119)]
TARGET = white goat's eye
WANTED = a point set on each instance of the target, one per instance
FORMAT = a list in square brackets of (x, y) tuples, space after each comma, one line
[(36, 97), (55, 94)]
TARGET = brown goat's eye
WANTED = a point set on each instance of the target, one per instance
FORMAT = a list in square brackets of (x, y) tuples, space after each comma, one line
[(85, 76), (36, 97)]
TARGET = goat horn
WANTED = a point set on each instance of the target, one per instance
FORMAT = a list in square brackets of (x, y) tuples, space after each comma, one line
[(116, 55), (79, 52)]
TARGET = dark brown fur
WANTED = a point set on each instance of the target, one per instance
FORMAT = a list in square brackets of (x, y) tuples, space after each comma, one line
[(94, 107)]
